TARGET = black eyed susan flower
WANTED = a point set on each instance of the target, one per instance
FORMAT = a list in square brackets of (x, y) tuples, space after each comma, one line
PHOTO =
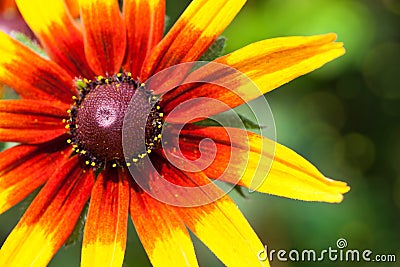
[(69, 122)]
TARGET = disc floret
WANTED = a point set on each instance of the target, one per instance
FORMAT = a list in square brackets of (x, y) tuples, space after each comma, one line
[(97, 117)]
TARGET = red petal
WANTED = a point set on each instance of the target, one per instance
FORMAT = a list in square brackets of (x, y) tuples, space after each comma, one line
[(104, 240), (249, 73), (170, 185), (50, 218), (218, 225), (32, 76), (104, 35), (260, 164), (31, 121), (197, 28), (24, 168), (217, 221), (167, 243), (53, 25), (144, 22), (225, 231)]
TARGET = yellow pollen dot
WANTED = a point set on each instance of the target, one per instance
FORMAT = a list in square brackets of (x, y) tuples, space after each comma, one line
[(69, 141), (159, 126), (67, 126), (77, 151), (119, 75), (117, 85), (114, 165), (86, 80), (129, 74), (87, 162), (107, 81), (99, 78), (158, 107), (135, 160), (142, 84), (93, 164), (73, 97), (68, 111), (64, 120), (159, 136), (155, 138), (83, 152), (128, 164), (161, 114), (148, 151)]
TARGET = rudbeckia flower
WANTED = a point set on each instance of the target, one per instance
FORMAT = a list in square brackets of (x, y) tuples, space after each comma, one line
[(69, 123)]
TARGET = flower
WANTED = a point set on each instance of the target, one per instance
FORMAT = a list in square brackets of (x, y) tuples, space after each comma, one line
[(69, 123)]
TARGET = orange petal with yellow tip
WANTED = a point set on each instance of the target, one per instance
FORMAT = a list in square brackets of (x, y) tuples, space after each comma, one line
[(104, 239), (196, 29), (144, 22), (31, 121), (161, 231), (225, 231), (32, 76), (216, 221), (24, 168), (266, 166), (57, 32), (50, 218), (104, 35), (219, 224), (252, 71)]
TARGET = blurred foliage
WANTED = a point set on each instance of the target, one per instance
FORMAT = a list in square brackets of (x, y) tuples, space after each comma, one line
[(345, 118), (26, 40), (215, 50)]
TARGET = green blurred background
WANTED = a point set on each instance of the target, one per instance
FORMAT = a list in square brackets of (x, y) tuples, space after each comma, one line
[(345, 118)]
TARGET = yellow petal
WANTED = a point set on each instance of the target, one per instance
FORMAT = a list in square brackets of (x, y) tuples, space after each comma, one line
[(274, 62), (250, 72), (263, 165), (196, 29), (104, 239), (50, 218), (161, 231), (293, 176), (224, 230), (58, 33)]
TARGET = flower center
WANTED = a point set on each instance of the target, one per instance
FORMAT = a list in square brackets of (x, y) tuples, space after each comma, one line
[(97, 117)]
